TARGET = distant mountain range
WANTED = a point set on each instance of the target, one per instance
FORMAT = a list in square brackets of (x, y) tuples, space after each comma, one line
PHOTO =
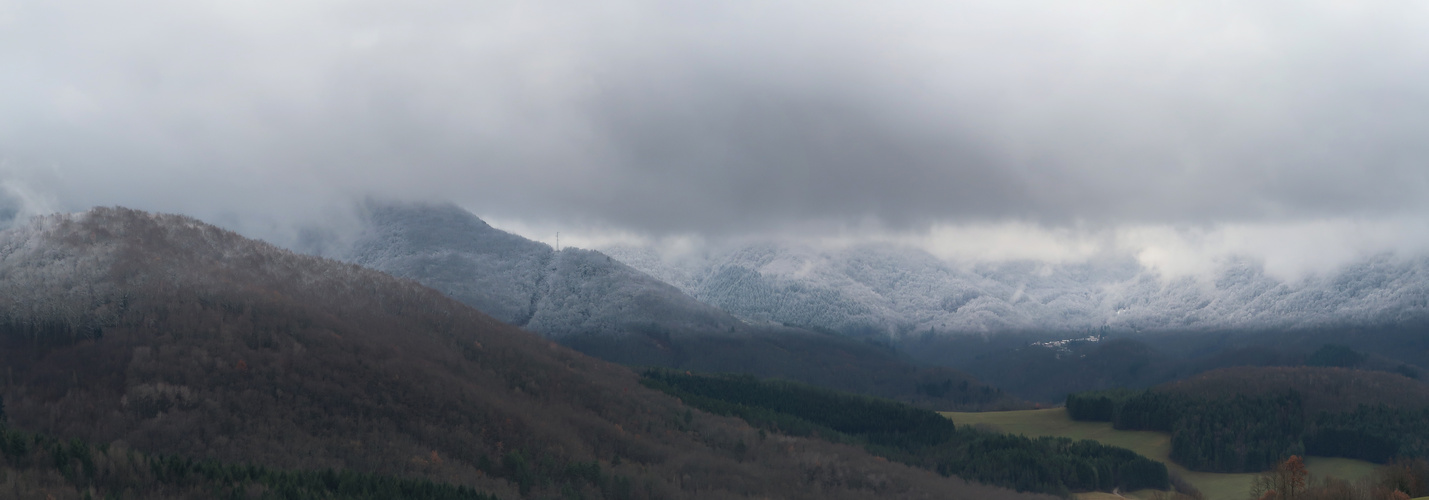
[(877, 319), (602, 307), (883, 290)]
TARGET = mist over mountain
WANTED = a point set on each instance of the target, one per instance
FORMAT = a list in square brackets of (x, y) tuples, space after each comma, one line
[(604, 308), (959, 205), (519, 281), (891, 290)]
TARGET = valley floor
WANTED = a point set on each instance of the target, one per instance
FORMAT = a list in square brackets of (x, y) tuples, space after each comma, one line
[(1154, 445)]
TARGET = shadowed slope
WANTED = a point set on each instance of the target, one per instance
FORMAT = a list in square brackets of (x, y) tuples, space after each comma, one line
[(1323, 388), (177, 337)]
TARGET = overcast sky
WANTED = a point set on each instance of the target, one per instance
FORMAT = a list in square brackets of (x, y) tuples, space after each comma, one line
[(974, 129)]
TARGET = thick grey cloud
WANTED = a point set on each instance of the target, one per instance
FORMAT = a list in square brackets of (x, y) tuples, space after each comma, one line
[(724, 117)]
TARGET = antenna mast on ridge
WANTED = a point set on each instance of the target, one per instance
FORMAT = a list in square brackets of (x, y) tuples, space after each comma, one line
[(558, 241)]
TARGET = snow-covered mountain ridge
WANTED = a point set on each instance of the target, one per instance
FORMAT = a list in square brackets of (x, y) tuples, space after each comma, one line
[(523, 282), (891, 290)]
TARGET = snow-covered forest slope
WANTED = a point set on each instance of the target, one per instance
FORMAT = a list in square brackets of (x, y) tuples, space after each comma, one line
[(604, 308), (523, 282), (888, 290)]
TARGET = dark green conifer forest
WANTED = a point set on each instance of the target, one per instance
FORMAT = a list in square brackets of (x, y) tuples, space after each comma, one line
[(1252, 433), (915, 436)]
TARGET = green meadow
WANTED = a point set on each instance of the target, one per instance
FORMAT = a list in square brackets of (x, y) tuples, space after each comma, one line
[(1154, 445)]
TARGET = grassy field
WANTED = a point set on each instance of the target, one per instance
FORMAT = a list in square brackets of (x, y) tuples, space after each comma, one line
[(1154, 445)]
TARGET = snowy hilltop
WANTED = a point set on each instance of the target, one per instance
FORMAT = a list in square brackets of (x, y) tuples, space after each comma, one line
[(519, 281), (68, 274), (891, 290)]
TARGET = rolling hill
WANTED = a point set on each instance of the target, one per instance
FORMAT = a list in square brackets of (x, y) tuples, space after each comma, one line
[(162, 334), (1330, 389)]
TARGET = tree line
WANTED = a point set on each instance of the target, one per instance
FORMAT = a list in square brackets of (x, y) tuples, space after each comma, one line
[(1250, 434), (915, 436), (1402, 479), (34, 462), (1373, 433)]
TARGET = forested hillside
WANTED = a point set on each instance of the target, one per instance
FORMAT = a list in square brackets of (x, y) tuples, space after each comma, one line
[(601, 307), (1331, 389), (172, 337), (1047, 366), (916, 436), (42, 467), (1248, 419)]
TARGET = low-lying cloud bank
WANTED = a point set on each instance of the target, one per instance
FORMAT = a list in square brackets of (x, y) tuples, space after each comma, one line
[(1178, 133), (1288, 251)]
